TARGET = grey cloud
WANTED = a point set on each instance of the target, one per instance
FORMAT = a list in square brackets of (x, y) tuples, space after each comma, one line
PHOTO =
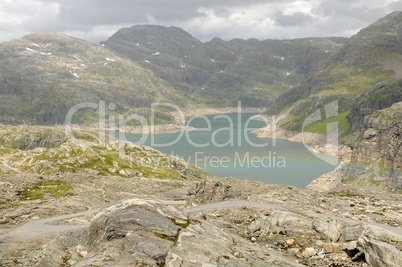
[(96, 20), (396, 6), (339, 9), (343, 17), (296, 19), (95, 12), (85, 15)]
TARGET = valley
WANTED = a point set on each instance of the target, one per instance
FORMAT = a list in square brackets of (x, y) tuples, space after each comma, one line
[(79, 189)]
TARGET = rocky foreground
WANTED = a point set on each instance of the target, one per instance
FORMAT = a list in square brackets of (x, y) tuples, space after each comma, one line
[(78, 202), (217, 222)]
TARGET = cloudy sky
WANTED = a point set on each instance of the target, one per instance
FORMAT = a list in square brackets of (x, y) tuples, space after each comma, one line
[(96, 20)]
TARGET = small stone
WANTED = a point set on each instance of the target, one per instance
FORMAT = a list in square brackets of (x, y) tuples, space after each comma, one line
[(294, 251), (370, 133), (330, 249), (123, 173), (309, 252), (321, 253), (81, 251), (180, 221), (290, 242), (319, 243), (352, 245), (112, 170), (238, 255), (253, 239)]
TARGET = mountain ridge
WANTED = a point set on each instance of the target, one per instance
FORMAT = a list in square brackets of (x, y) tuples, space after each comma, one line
[(250, 71), (54, 72)]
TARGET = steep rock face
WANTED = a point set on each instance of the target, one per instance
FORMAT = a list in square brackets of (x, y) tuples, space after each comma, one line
[(381, 96), (382, 144), (24, 139), (382, 138)]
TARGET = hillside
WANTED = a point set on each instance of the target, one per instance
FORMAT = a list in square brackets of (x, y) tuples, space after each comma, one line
[(220, 73), (50, 151), (144, 64), (364, 76), (69, 202), (42, 76), (376, 160), (87, 199), (77, 202)]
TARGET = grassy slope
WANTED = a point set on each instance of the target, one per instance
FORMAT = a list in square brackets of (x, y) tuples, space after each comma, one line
[(43, 75), (48, 151), (369, 58)]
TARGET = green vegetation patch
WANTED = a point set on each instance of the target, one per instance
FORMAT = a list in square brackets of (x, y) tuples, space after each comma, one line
[(381, 167), (301, 111), (353, 81), (322, 126), (157, 117), (46, 189), (85, 137)]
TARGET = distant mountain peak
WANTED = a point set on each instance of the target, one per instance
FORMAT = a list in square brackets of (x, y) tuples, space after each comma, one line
[(386, 32), (140, 33)]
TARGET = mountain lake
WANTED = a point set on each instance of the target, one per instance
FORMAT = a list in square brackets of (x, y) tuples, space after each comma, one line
[(223, 145)]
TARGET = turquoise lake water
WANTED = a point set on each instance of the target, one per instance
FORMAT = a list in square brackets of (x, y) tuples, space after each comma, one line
[(222, 147)]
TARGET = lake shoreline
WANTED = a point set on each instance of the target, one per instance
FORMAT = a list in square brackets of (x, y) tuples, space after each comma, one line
[(315, 141), (318, 144), (229, 124), (175, 127)]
